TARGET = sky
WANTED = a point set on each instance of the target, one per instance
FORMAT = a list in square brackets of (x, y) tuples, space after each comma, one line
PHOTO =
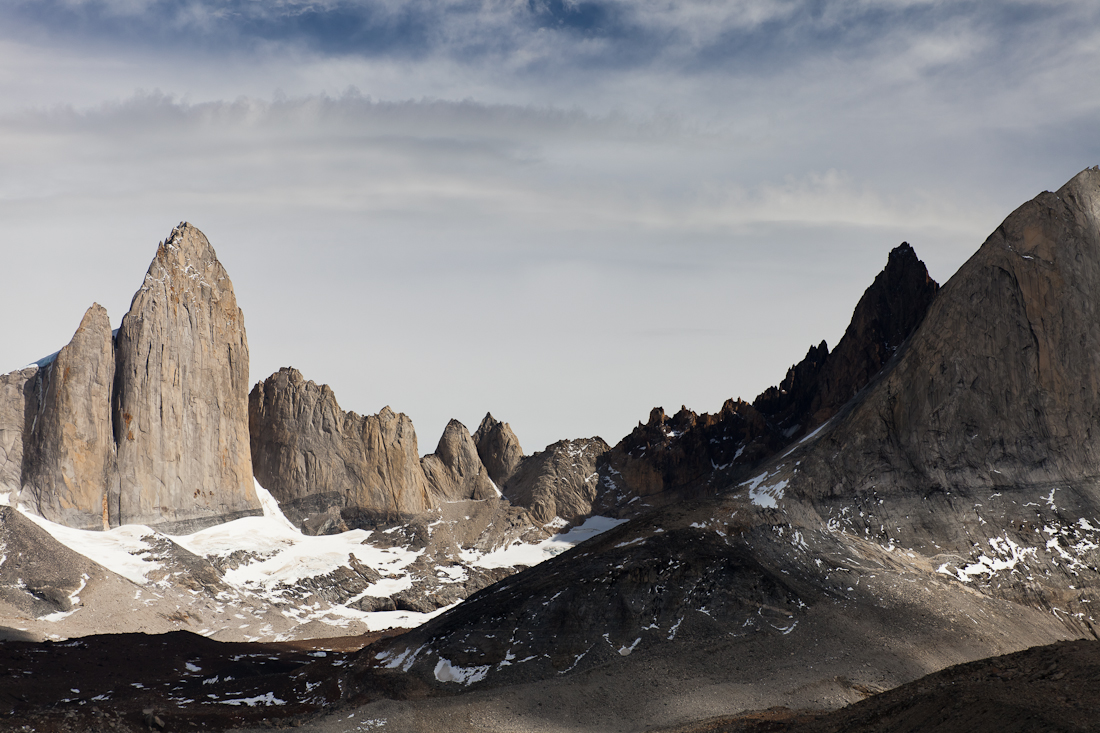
[(565, 212)]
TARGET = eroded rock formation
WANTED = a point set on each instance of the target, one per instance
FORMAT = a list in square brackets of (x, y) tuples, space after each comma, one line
[(332, 470), (69, 447), (181, 394), (149, 427), (560, 482), (455, 470), (498, 448), (329, 469)]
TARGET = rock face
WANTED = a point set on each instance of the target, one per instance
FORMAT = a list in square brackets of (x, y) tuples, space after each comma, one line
[(1001, 383), (329, 469), (180, 409), (13, 410), (561, 482), (455, 470), (149, 427), (498, 447), (69, 446)]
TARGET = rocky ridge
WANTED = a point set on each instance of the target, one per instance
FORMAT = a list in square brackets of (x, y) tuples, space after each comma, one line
[(329, 469), (332, 470)]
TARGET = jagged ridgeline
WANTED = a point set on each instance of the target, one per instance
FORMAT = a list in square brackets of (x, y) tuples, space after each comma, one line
[(151, 425), (146, 426), (942, 504)]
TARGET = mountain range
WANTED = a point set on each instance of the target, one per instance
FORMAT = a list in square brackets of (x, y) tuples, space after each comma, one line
[(925, 494)]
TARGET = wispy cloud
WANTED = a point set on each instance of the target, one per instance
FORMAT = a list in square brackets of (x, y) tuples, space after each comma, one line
[(439, 204)]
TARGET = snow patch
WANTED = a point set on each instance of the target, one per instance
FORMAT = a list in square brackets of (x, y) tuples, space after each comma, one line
[(447, 672)]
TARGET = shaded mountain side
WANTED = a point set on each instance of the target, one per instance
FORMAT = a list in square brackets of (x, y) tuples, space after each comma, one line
[(1047, 688), (980, 441), (950, 512), (38, 575), (773, 612), (669, 459), (148, 426)]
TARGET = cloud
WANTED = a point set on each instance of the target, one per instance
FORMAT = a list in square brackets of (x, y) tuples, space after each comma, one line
[(539, 208), (757, 36)]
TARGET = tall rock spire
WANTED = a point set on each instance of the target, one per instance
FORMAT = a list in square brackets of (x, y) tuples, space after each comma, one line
[(69, 449), (180, 405)]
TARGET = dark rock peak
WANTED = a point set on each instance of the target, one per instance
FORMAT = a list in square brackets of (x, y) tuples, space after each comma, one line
[(1000, 385), (887, 313), (498, 448), (797, 385), (669, 458)]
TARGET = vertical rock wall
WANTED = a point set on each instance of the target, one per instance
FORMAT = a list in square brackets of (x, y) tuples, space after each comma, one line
[(69, 448), (150, 427), (181, 395), (13, 410), (328, 468)]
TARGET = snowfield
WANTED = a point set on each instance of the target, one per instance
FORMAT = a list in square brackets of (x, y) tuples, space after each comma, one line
[(264, 564)]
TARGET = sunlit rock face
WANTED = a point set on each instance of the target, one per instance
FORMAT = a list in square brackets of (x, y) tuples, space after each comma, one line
[(331, 469), (69, 448), (498, 448), (180, 405), (146, 426)]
